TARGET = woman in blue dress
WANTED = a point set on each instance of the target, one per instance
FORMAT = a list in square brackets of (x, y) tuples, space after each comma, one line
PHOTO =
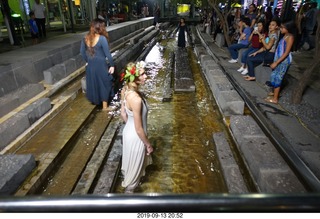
[(282, 60), (100, 67)]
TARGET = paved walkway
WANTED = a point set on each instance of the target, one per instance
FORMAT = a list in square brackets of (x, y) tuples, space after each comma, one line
[(296, 127)]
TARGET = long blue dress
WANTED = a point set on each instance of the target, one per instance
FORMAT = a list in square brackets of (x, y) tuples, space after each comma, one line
[(279, 72), (98, 80)]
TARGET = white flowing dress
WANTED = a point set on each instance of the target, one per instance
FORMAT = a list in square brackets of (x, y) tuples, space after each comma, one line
[(134, 157)]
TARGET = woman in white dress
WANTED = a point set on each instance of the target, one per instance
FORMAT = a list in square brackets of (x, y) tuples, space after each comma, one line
[(136, 145)]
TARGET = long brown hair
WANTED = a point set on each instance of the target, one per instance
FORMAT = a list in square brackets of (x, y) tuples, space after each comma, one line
[(97, 26)]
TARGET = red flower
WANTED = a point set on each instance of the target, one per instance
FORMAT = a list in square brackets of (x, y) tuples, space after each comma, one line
[(122, 76), (133, 70)]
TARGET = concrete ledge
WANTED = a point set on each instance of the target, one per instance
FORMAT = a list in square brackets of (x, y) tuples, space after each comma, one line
[(19, 122), (200, 51), (12, 127), (229, 101), (37, 109), (14, 169), (54, 74), (230, 169), (18, 97), (262, 159), (262, 74)]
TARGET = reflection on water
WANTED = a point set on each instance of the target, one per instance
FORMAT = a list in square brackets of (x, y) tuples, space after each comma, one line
[(181, 133)]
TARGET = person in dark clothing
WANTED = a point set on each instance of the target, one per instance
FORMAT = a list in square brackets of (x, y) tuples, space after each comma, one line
[(182, 28), (33, 28)]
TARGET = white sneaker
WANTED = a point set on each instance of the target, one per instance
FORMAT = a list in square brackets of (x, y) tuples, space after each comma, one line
[(233, 61), (241, 69), (245, 71)]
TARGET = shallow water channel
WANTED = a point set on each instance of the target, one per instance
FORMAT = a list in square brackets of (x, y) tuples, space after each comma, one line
[(181, 130)]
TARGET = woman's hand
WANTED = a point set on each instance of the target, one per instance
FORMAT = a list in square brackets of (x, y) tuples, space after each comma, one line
[(149, 149), (273, 65), (253, 54), (111, 70)]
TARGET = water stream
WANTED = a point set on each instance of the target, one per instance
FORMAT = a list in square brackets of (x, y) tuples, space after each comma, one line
[(184, 159)]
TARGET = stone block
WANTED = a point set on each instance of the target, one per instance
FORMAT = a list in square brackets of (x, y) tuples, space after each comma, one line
[(18, 97), (14, 169), (37, 109), (230, 169), (230, 103), (54, 74), (243, 126), (7, 80), (214, 71), (12, 128), (26, 74), (262, 158), (279, 181)]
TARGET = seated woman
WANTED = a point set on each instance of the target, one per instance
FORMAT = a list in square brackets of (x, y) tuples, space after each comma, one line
[(243, 40), (266, 53), (256, 44)]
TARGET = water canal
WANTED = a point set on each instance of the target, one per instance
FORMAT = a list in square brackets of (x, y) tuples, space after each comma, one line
[(184, 159)]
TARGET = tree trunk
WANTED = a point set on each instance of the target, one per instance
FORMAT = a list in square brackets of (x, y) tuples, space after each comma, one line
[(303, 82), (222, 17)]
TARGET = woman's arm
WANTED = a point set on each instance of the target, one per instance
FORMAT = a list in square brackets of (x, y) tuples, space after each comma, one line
[(135, 103), (289, 41), (123, 112), (107, 53)]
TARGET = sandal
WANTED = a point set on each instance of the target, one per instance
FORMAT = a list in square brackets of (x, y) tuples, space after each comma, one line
[(250, 78), (269, 100)]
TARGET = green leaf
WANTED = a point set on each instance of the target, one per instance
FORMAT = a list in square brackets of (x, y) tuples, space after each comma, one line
[(132, 78)]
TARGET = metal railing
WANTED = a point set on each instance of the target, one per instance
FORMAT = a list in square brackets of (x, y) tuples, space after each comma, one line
[(164, 203)]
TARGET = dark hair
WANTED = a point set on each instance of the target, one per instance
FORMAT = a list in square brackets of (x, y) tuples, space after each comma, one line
[(277, 20), (246, 20), (31, 13), (290, 26)]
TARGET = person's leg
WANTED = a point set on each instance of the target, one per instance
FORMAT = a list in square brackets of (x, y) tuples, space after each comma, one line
[(43, 27), (38, 22), (234, 48), (245, 55), (254, 61), (276, 92), (104, 105)]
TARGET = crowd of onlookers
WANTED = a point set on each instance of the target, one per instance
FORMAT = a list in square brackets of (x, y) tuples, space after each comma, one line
[(305, 17), (265, 36)]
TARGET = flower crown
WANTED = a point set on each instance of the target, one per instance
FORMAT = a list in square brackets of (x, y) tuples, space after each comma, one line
[(132, 71)]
